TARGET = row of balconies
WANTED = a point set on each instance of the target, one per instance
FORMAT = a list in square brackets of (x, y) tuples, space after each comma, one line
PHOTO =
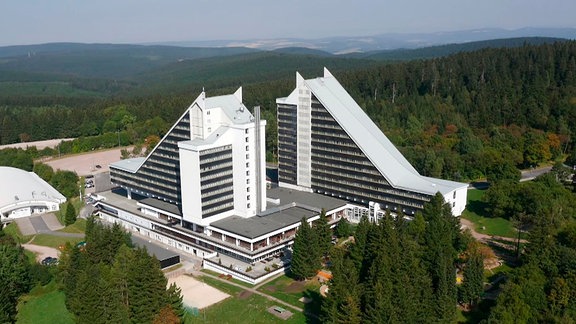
[(156, 174), (219, 207), (217, 166), (162, 162), (366, 196), (153, 167), (140, 185), (215, 150), (225, 180), (216, 158), (227, 172)]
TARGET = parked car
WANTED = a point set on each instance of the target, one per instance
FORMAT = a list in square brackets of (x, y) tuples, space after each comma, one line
[(48, 261)]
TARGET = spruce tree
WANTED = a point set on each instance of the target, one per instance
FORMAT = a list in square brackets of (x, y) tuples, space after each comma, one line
[(357, 249), (473, 284), (323, 234), (70, 216), (440, 238), (343, 228), (304, 257)]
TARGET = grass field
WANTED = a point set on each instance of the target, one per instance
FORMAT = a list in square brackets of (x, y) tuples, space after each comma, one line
[(476, 213), (13, 230), (291, 291), (78, 227), (54, 241), (44, 305), (242, 307)]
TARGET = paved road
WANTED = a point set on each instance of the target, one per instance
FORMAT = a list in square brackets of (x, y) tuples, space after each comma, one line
[(528, 175)]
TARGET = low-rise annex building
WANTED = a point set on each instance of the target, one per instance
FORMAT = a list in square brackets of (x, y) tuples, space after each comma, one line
[(24, 193)]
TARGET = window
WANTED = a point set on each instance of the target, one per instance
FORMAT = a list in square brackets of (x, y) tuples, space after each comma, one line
[(247, 139), (247, 189), (246, 131), (454, 204), (247, 148), (248, 205), (454, 195), (247, 156), (248, 197), (247, 164), (247, 181), (247, 173), (208, 112)]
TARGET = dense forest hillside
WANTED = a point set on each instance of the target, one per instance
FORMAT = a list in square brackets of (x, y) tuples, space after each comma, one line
[(449, 49), (457, 117)]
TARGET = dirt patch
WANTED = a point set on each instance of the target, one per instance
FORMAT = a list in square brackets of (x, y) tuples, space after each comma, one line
[(323, 290), (245, 294), (271, 288), (280, 312), (39, 144), (196, 293), (42, 252), (295, 287), (87, 163)]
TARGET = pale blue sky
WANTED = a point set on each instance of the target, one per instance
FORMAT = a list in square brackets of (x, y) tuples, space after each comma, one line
[(139, 21)]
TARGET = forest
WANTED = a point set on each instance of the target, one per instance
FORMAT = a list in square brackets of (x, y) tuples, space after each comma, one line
[(456, 117), (104, 280), (403, 272), (473, 115)]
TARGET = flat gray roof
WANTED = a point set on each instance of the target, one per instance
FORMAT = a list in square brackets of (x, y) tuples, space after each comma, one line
[(293, 206), (166, 206), (260, 225), (315, 200), (153, 248)]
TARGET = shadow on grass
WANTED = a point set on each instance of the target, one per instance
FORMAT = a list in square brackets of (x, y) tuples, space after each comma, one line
[(312, 309), (480, 312), (477, 207)]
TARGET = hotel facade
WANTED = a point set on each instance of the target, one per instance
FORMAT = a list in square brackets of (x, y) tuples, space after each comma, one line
[(202, 189)]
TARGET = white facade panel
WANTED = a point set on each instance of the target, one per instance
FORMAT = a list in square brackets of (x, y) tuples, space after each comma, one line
[(190, 182)]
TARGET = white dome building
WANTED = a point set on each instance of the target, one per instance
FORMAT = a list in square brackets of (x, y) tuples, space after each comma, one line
[(24, 193)]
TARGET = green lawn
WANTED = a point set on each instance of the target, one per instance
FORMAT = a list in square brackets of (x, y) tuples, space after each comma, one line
[(291, 291), (476, 213), (251, 309), (78, 227), (240, 307), (44, 305), (54, 241), (13, 230)]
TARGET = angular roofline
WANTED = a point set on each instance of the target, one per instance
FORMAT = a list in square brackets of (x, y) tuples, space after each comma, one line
[(381, 152)]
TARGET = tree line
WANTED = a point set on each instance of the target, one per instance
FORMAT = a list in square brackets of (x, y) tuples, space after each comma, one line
[(111, 281), (454, 117)]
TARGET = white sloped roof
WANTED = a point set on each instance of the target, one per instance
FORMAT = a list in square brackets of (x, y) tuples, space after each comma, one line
[(232, 106), (19, 186), (370, 139)]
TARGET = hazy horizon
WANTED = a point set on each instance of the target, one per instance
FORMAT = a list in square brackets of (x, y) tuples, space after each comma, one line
[(150, 21)]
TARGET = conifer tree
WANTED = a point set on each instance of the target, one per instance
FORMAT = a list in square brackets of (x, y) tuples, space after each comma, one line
[(304, 257), (70, 216), (473, 284), (440, 239), (357, 249), (343, 228), (323, 234)]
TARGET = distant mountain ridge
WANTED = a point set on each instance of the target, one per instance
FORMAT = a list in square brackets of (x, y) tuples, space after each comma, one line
[(101, 70), (385, 41)]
